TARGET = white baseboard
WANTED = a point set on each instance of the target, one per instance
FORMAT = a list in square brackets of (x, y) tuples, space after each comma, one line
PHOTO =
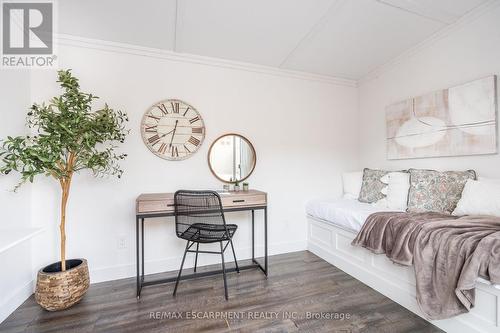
[(15, 299), (116, 272)]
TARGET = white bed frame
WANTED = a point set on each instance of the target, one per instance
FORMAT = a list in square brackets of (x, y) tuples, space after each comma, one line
[(333, 244)]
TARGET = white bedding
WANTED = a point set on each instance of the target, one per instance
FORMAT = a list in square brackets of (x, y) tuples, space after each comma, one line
[(346, 213)]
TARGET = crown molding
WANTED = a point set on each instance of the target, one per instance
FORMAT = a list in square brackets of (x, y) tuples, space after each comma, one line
[(464, 21), (115, 47)]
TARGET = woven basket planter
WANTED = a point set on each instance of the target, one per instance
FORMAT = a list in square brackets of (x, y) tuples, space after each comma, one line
[(56, 290)]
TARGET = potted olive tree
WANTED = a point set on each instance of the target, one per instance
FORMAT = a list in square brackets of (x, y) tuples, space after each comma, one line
[(67, 136)]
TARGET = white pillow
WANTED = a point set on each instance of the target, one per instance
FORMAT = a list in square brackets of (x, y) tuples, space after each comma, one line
[(489, 180), (352, 184), (398, 186), (479, 197)]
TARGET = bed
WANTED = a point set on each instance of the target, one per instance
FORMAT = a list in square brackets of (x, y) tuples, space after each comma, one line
[(333, 224)]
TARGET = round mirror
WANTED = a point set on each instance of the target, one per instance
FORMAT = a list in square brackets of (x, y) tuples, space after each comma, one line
[(232, 158)]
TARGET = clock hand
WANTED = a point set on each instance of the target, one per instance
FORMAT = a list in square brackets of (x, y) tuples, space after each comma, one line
[(164, 135), (173, 134)]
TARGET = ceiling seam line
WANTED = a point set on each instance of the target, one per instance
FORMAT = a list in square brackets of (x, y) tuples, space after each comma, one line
[(312, 31), (416, 13), (175, 24)]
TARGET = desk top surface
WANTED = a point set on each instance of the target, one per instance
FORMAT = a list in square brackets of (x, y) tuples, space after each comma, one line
[(169, 196), (155, 203)]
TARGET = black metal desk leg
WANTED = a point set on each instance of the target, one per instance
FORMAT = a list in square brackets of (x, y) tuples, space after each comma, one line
[(265, 240), (253, 235), (142, 249), (137, 255)]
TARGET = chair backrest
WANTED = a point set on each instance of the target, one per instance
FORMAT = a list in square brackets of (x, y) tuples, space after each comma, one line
[(197, 207)]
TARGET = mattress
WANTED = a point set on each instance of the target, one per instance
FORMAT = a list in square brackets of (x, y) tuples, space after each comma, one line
[(348, 214)]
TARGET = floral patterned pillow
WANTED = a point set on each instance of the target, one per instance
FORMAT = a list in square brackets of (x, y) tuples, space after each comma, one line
[(435, 191), (372, 186)]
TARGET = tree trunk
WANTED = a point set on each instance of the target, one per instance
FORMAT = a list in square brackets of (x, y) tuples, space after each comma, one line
[(65, 182), (62, 226), (65, 186)]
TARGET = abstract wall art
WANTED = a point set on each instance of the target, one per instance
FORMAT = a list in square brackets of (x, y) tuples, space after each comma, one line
[(452, 122)]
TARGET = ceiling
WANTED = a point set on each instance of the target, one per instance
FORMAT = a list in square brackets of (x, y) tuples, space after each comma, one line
[(340, 38)]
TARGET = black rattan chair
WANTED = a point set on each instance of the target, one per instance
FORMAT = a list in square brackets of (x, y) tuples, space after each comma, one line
[(199, 218)]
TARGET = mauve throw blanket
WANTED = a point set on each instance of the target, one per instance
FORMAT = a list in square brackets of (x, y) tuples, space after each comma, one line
[(448, 252)]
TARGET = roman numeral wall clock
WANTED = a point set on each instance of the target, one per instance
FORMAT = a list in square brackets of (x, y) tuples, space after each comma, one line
[(172, 129)]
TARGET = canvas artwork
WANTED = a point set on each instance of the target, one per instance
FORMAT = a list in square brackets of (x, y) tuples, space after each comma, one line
[(450, 122)]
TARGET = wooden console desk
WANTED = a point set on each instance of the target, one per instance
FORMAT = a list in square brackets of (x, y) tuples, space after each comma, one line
[(162, 205)]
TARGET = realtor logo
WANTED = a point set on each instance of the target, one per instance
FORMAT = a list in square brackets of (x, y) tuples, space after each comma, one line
[(27, 34)]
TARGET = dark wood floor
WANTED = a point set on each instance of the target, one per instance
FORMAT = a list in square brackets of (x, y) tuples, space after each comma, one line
[(299, 283)]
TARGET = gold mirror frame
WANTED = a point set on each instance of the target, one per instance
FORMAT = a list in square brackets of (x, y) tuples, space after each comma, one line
[(253, 151)]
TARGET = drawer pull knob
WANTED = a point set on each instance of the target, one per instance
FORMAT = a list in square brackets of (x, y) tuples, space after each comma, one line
[(240, 200)]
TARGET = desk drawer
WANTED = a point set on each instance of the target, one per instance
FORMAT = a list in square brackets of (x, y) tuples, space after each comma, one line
[(155, 206), (244, 200)]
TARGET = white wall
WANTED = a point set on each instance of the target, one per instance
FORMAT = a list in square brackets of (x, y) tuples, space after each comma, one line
[(469, 52), (14, 105), (304, 133), (16, 276)]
